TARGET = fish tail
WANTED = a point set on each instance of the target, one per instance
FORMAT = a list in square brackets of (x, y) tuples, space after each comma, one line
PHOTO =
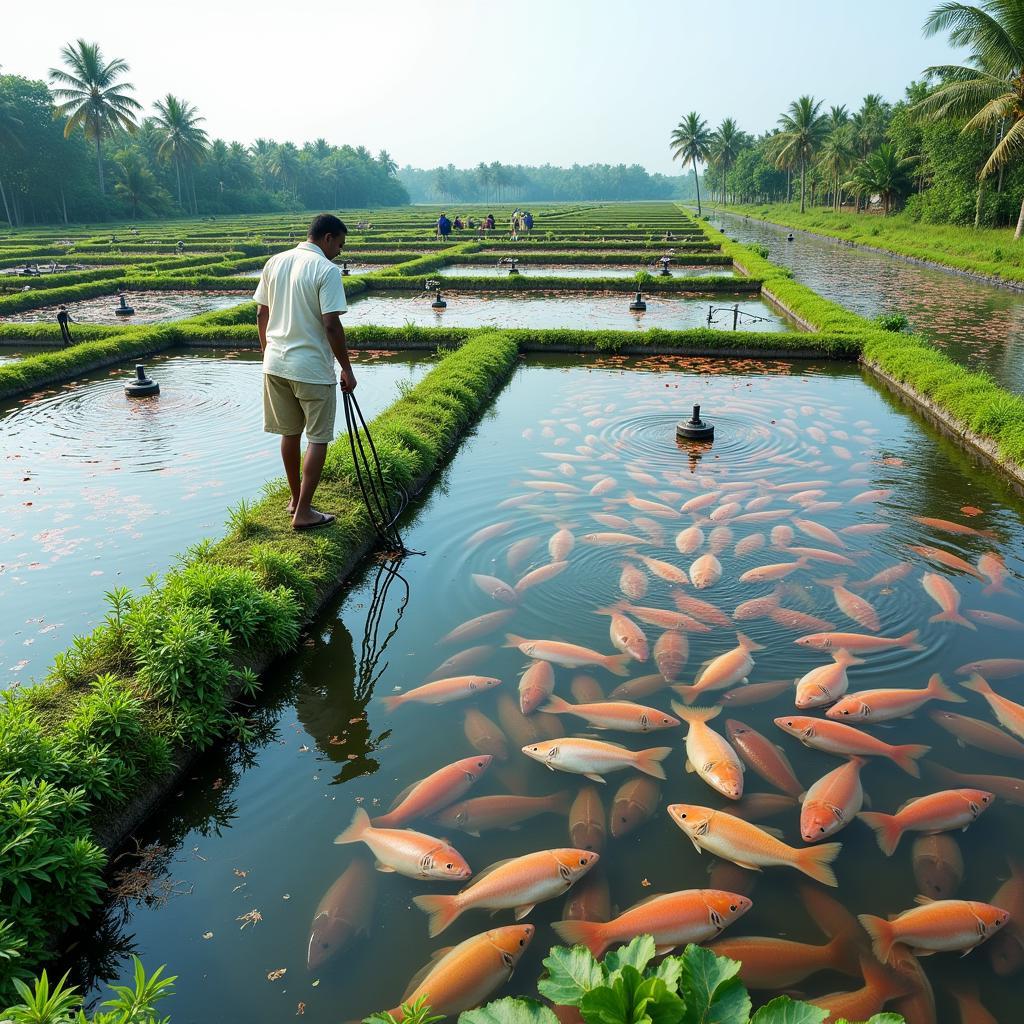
[(953, 616), (844, 954), (512, 640), (560, 802), (833, 581), (688, 693), (354, 833), (390, 703), (886, 827), (815, 861), (441, 910), (938, 689), (582, 933), (751, 645), (978, 683), (881, 934), (995, 588), (613, 609), (909, 640), (844, 657), (649, 761), (906, 755), (692, 714), (618, 664), (556, 706)]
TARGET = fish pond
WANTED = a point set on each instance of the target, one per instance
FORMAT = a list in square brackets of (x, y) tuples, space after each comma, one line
[(828, 508), (576, 270), (150, 308), (581, 311), (101, 487)]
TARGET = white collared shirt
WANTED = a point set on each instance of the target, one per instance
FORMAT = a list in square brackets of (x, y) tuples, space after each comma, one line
[(299, 286)]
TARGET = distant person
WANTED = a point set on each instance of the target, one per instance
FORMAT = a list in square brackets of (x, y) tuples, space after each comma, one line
[(458, 223), (490, 222), (300, 299), (63, 319), (527, 222), (444, 227)]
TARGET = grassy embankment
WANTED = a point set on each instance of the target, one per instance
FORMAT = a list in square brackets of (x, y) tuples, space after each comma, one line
[(989, 252)]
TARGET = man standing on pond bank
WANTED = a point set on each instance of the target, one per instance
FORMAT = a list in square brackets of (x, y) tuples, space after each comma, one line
[(300, 299)]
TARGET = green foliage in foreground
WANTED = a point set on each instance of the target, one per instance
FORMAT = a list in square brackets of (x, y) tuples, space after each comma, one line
[(626, 987), (161, 672)]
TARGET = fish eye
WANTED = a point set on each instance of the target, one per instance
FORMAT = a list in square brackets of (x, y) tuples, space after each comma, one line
[(682, 814), (821, 828), (449, 866), (522, 942), (789, 723), (583, 861), (732, 906)]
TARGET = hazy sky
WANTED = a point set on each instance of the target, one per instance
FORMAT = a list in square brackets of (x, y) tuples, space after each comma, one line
[(521, 81)]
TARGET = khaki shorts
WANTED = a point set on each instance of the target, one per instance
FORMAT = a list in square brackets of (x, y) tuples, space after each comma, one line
[(291, 406)]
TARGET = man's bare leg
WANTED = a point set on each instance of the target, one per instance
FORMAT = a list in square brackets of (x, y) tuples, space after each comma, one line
[(312, 468), (290, 454)]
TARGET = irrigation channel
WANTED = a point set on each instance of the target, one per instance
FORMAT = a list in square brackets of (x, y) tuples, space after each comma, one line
[(102, 487), (813, 466), (980, 325)]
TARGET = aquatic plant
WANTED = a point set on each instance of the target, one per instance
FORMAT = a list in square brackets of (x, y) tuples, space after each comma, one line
[(895, 322)]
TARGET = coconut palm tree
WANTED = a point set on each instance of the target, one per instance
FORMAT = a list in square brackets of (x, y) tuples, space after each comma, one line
[(9, 140), (990, 94), (387, 162), (283, 163), (691, 141), (182, 141), (802, 129), (137, 185), (726, 143), (91, 96), (883, 173), (834, 158), (870, 122)]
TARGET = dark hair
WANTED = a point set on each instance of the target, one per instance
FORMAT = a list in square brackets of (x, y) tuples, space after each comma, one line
[(326, 224)]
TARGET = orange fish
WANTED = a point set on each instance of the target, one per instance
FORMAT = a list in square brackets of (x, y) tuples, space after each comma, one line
[(1009, 714), (586, 689), (770, 963), (436, 791), (632, 582), (820, 555), (612, 539), (993, 569), (859, 642), (885, 577), (777, 571), (496, 589), (624, 716), (689, 540), (1006, 787), (343, 913), (487, 533), (852, 605), (976, 733), (948, 527), (626, 636), (485, 736), (710, 755), (671, 652), (994, 668), (519, 551), (702, 501), (661, 617), (539, 575), (945, 595), (1006, 950), (969, 1004), (826, 683), (633, 805), (832, 802), (748, 545), (938, 865), (410, 853), (705, 572), (485, 813), (724, 671), (663, 570), (836, 738), (592, 758), (702, 610), (883, 705), (756, 608), (950, 561), (764, 757), (880, 986), (754, 693), (935, 926), (536, 684), (568, 655), (995, 620), (819, 532), (587, 822), (946, 811), (674, 919), (462, 663), (443, 691), (520, 884), (470, 972), (478, 627), (641, 686), (751, 847)]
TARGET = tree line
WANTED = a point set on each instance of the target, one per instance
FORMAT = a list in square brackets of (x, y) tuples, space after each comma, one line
[(949, 151)]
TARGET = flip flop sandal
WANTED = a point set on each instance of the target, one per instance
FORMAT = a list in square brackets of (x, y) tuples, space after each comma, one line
[(325, 520)]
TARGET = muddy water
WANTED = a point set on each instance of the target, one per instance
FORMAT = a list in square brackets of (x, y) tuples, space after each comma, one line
[(977, 324), (577, 270), (101, 490), (246, 850), (150, 308), (586, 311)]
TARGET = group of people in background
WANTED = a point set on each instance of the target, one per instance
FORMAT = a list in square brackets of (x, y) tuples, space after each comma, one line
[(521, 222)]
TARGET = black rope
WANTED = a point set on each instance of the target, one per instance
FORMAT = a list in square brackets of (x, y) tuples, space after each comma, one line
[(383, 511), (372, 646)]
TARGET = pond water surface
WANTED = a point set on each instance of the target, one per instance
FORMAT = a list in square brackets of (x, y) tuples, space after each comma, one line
[(241, 858), (577, 270), (977, 324), (101, 490), (150, 308)]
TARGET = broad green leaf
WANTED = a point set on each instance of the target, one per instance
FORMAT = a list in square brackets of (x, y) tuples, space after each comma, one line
[(510, 1011), (632, 999), (878, 1018), (783, 1010), (639, 953), (669, 970), (711, 989), (571, 973)]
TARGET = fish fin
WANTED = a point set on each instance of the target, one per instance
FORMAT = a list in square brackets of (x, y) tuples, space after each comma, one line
[(977, 683), (383, 868), (922, 900), (660, 950), (906, 756), (844, 954), (441, 911), (618, 664), (390, 703), (696, 845), (833, 581), (886, 827), (522, 911), (773, 831), (881, 934), (418, 978), (909, 640), (354, 833), (512, 640), (594, 777), (560, 802), (491, 867), (938, 689), (689, 767), (815, 862), (688, 693), (747, 867), (649, 761), (582, 933), (557, 706), (695, 714), (751, 645), (882, 980), (401, 796), (647, 899), (955, 617)]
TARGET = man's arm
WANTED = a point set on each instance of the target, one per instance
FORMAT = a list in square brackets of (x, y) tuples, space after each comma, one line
[(262, 319), (336, 339)]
